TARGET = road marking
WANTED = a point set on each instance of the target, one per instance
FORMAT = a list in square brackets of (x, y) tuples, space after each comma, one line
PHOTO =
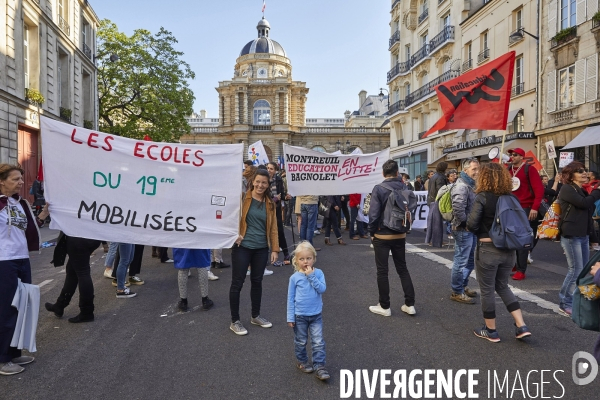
[(522, 294), (45, 282)]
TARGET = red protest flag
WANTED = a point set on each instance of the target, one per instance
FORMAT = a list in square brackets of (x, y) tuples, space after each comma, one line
[(478, 99)]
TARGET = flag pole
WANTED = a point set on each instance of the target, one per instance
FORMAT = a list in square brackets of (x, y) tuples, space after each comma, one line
[(502, 147)]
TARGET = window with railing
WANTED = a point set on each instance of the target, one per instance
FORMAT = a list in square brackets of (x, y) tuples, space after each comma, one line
[(427, 89), (484, 55), (467, 65), (445, 35), (399, 68), (394, 3), (394, 39), (63, 16), (519, 73), (423, 16), (395, 107), (419, 55), (568, 13), (85, 38), (566, 94), (262, 113), (518, 89)]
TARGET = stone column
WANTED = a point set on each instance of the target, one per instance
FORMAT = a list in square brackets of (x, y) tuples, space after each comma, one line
[(237, 108), (286, 111), (221, 115), (245, 107), (277, 94)]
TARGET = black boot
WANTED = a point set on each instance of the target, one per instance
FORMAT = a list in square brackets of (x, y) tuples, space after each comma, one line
[(182, 305), (58, 308), (86, 313), (207, 303)]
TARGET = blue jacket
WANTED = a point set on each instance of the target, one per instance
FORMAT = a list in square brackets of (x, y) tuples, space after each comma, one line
[(304, 294)]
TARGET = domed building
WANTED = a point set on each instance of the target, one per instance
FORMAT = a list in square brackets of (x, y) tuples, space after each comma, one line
[(263, 102)]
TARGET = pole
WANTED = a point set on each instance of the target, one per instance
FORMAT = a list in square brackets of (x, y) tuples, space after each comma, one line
[(502, 148)]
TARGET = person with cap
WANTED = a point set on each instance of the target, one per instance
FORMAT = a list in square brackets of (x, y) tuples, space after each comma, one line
[(528, 188)]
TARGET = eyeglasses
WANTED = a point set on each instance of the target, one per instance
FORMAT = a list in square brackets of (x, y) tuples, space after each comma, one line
[(581, 170)]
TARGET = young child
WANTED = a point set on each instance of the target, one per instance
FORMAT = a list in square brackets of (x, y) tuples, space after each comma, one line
[(304, 307), (184, 259)]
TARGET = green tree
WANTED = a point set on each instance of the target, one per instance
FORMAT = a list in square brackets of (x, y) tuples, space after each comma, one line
[(145, 91)]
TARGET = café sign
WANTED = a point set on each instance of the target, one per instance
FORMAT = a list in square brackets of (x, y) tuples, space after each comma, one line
[(488, 140)]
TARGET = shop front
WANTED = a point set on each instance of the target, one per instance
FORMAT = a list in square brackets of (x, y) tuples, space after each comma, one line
[(480, 148)]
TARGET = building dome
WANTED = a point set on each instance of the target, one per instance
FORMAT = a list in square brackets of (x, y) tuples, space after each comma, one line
[(263, 44)]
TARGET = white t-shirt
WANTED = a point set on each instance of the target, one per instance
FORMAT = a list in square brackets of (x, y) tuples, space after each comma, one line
[(14, 246)]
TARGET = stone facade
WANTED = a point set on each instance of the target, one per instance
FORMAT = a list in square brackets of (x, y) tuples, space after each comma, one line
[(47, 46), (263, 102)]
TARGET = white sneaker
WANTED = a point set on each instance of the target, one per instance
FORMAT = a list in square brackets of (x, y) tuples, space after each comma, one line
[(108, 273), (529, 259), (371, 246), (267, 272), (190, 273), (317, 232), (410, 310), (248, 273), (212, 277), (381, 311), (596, 247)]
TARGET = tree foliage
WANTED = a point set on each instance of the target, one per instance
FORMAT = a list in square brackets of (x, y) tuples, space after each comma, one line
[(145, 91)]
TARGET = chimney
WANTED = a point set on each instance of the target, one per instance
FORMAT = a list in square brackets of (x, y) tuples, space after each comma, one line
[(202, 114), (362, 96)]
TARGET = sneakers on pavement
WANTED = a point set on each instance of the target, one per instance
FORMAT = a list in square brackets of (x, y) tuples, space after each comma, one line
[(461, 298), (248, 273), (410, 310), (267, 272), (108, 273), (238, 328), (9, 368), (305, 367), (529, 259), (127, 283), (470, 292), (136, 280), (276, 264), (212, 277), (565, 311), (484, 333), (23, 360), (518, 276), (322, 374), (386, 312), (522, 332), (125, 294), (262, 322)]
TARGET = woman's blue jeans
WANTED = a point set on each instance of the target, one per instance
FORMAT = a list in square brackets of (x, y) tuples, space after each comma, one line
[(577, 250), (126, 254)]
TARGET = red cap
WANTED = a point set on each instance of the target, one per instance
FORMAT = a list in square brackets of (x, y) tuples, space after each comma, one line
[(518, 151)]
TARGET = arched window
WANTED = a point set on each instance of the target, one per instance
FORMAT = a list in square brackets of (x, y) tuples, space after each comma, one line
[(262, 113), (320, 149)]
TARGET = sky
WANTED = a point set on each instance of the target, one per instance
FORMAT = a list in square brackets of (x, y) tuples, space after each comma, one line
[(338, 47)]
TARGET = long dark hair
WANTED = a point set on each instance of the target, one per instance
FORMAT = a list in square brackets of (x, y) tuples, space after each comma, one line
[(265, 173)]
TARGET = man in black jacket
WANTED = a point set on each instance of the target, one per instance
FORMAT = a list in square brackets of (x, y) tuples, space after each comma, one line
[(385, 240)]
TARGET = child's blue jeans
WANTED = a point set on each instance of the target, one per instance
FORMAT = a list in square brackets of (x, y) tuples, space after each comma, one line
[(314, 324)]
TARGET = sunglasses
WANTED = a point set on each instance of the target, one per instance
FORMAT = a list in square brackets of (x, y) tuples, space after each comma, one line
[(581, 170)]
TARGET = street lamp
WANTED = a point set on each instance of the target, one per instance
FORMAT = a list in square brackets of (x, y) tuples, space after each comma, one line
[(518, 35), (347, 146), (381, 96), (338, 144)]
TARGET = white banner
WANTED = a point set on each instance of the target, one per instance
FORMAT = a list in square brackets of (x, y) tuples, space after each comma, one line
[(420, 217), (310, 172), (566, 158), (257, 153), (550, 149), (106, 187)]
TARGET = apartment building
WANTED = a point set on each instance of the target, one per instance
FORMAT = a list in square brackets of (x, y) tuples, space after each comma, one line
[(46, 68)]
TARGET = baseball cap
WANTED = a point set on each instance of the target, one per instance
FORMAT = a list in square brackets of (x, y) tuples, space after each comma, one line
[(518, 151)]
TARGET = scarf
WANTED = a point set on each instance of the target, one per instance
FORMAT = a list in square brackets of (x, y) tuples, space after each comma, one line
[(469, 181)]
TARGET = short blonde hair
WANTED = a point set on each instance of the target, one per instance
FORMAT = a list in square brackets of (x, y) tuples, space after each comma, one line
[(303, 246)]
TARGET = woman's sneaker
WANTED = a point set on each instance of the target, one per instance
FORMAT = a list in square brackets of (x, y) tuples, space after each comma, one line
[(238, 328), (212, 277), (125, 294), (484, 333), (522, 332), (260, 321), (10, 368)]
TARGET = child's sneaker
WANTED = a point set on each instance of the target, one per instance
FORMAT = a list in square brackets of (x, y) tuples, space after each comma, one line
[(484, 333), (322, 374), (304, 367), (522, 332)]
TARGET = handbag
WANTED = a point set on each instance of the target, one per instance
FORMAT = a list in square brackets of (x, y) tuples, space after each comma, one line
[(549, 228), (586, 313), (60, 251), (367, 205)]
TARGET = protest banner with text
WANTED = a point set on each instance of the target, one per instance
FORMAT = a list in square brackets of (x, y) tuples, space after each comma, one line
[(106, 187), (420, 217), (310, 172)]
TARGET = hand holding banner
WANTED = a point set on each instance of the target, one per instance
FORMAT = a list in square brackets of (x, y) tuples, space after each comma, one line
[(106, 187)]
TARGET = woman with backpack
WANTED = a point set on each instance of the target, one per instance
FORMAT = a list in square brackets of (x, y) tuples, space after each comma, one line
[(493, 265), (575, 227)]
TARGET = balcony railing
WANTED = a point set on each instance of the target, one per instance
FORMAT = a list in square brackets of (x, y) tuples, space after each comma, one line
[(394, 3), (261, 127), (518, 89), (427, 89), (87, 51), (419, 55), (62, 24), (484, 55), (400, 142), (399, 68), (467, 65), (446, 34), (395, 38), (421, 134), (563, 116), (565, 38), (397, 106), (514, 39), (595, 23), (342, 129), (65, 114), (424, 15)]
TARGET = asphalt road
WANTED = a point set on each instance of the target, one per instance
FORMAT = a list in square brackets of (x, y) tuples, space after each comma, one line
[(142, 348)]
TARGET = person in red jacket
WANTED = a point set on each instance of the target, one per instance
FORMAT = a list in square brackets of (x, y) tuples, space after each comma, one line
[(528, 188), (354, 203)]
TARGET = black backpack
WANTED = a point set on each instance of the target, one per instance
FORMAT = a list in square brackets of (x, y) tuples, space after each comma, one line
[(398, 208)]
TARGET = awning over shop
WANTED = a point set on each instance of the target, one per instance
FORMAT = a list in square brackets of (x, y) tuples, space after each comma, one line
[(512, 114), (590, 136), (476, 152)]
